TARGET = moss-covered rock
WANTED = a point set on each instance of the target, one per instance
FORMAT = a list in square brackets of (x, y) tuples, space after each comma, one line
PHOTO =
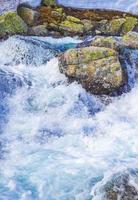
[(116, 26), (49, 2), (129, 25), (112, 27), (108, 42), (11, 23), (96, 68), (28, 15), (130, 40), (58, 15), (70, 27), (88, 25)]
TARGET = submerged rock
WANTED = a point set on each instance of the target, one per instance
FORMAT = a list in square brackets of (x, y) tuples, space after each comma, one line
[(121, 186), (97, 68), (11, 23)]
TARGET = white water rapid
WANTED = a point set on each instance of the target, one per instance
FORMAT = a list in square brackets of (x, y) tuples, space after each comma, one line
[(58, 142), (122, 5)]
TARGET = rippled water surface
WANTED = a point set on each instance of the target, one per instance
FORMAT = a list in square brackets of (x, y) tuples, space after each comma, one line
[(58, 142), (123, 5)]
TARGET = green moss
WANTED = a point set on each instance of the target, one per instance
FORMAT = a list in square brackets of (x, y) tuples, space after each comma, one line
[(130, 23), (88, 54), (116, 25), (108, 42), (73, 19), (71, 27), (59, 10), (11, 23)]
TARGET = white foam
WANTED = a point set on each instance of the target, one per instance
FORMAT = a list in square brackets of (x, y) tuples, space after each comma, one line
[(57, 148)]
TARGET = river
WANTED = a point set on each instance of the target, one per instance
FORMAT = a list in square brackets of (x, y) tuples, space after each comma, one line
[(58, 142)]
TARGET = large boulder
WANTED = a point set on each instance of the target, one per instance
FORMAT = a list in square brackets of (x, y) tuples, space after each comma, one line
[(97, 68), (28, 15), (11, 23)]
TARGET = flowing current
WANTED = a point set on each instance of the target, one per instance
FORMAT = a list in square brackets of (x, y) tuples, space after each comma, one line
[(58, 142), (122, 5)]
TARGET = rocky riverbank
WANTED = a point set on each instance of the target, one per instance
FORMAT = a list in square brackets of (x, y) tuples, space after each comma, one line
[(50, 19), (97, 63)]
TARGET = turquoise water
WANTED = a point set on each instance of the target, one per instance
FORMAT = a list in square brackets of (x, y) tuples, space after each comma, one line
[(57, 141)]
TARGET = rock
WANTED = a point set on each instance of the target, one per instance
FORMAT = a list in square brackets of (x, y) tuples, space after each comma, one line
[(119, 26), (11, 23), (129, 24), (112, 27), (96, 68), (130, 40), (58, 15), (28, 15), (72, 26), (121, 187), (88, 26), (49, 2), (40, 30), (108, 42)]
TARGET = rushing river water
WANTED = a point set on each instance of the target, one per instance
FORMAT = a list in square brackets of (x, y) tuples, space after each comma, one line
[(122, 5), (58, 142)]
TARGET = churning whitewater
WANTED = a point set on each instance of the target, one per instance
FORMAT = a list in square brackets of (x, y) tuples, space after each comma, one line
[(58, 142), (122, 5)]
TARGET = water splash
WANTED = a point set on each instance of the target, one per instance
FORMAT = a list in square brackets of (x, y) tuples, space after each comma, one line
[(61, 143), (121, 5)]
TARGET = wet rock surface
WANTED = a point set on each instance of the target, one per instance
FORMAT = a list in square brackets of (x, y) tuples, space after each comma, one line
[(97, 68), (121, 186)]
